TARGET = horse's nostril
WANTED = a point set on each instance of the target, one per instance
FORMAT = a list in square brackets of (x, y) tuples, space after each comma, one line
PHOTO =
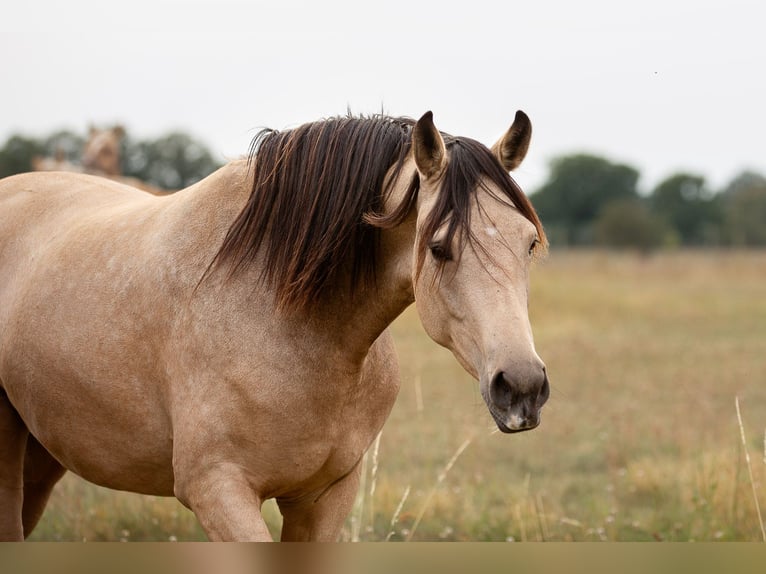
[(500, 390)]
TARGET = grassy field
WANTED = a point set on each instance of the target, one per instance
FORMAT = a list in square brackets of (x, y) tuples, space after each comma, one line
[(639, 441)]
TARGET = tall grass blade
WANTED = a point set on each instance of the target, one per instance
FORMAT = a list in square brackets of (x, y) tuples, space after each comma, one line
[(439, 480), (750, 469), (374, 479), (397, 512)]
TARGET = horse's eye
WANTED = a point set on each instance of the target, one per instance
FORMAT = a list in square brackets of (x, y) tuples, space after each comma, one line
[(440, 252), (535, 243)]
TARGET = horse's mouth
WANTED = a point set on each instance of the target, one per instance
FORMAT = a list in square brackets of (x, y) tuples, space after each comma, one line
[(515, 424)]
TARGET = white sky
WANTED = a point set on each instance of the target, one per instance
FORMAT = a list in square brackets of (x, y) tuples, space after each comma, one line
[(663, 85)]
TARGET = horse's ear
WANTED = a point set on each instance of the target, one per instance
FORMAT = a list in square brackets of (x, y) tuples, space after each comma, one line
[(428, 147), (512, 147), (119, 131)]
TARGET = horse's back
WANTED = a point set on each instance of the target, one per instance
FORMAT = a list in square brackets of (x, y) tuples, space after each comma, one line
[(46, 196), (39, 212)]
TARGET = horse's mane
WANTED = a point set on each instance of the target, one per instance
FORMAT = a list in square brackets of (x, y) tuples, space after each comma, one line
[(314, 213)]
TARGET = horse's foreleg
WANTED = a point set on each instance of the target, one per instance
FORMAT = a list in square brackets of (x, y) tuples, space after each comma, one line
[(225, 504), (13, 440), (320, 517), (41, 473)]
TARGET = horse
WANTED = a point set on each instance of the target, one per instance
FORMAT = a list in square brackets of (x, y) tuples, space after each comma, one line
[(229, 343), (101, 153), (101, 156)]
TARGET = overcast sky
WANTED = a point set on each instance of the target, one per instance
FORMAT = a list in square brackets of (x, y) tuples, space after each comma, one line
[(662, 85)]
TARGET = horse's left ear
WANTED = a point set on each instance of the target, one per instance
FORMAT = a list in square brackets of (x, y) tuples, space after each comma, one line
[(512, 147), (428, 147)]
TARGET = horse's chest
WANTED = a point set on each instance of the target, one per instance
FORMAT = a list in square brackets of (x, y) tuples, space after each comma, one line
[(320, 462), (334, 435)]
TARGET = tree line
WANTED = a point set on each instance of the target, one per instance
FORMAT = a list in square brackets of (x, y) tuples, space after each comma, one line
[(589, 200), (172, 161), (586, 201)]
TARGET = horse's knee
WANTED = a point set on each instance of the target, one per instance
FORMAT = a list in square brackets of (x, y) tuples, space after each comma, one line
[(224, 502)]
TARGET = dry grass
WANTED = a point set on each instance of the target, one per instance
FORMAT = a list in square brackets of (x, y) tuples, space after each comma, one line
[(640, 439)]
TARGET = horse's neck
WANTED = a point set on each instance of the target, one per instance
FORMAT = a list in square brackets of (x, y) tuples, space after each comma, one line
[(346, 325), (354, 322), (213, 203), (363, 318), (373, 308)]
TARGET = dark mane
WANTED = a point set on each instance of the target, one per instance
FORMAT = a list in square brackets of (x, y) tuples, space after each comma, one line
[(312, 186), (318, 192)]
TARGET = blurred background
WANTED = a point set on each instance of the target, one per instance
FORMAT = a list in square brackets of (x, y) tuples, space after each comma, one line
[(648, 120), (647, 167)]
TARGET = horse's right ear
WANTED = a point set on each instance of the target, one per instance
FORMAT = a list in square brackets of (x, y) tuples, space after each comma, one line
[(428, 147), (512, 147)]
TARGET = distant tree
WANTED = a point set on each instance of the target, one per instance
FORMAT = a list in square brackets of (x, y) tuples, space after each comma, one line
[(628, 223), (744, 181), (172, 162), (685, 202), (578, 187), (17, 153), (744, 211)]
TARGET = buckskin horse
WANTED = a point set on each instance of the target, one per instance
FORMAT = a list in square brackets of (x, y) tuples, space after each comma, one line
[(228, 344)]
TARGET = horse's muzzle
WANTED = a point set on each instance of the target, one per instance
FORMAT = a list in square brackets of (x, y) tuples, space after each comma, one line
[(516, 404)]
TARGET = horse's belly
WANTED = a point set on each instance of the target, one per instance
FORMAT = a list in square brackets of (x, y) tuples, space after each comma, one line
[(121, 470), (122, 459), (94, 429)]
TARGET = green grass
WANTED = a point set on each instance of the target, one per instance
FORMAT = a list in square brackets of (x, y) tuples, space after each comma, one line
[(639, 441)]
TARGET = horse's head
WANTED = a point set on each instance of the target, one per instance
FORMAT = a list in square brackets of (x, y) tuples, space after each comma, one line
[(476, 236), (101, 153)]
